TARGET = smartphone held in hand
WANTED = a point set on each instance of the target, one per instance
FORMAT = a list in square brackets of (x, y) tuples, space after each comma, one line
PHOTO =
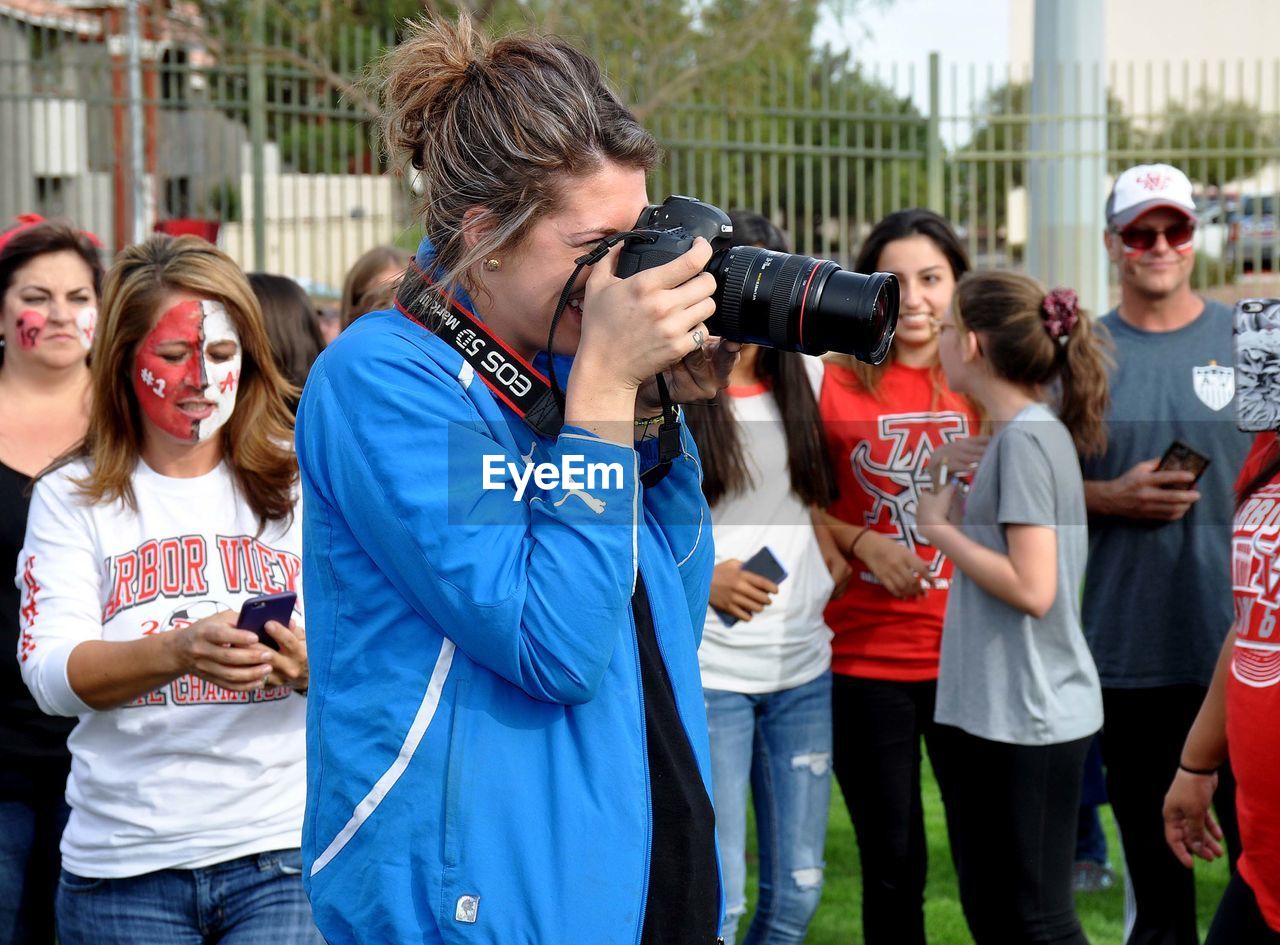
[(257, 611), (1182, 458), (763, 563)]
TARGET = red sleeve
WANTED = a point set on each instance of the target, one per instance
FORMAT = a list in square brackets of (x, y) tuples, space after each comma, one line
[(1264, 446)]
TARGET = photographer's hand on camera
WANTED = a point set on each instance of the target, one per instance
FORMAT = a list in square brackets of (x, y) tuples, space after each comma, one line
[(634, 328), (1144, 492)]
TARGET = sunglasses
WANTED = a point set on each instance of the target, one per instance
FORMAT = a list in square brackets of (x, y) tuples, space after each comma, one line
[(1141, 238)]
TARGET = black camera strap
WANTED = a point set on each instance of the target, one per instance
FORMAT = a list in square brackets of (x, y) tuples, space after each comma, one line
[(537, 399), (511, 378)]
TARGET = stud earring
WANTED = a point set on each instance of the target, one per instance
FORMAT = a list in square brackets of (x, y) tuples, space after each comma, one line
[(493, 264)]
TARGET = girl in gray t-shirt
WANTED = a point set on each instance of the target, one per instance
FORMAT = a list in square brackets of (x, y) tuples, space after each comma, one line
[(1018, 694)]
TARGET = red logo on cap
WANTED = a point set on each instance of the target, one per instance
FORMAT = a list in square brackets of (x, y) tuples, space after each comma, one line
[(1154, 181)]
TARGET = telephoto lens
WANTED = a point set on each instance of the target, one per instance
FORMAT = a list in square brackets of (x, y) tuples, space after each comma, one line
[(779, 300), (798, 303)]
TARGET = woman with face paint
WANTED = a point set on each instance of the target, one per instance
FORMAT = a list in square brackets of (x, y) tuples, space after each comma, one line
[(50, 277), (187, 778)]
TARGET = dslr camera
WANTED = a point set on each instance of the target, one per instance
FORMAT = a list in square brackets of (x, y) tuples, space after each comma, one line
[(779, 300)]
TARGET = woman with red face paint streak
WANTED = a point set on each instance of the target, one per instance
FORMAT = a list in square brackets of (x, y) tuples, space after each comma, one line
[(50, 277), (187, 777)]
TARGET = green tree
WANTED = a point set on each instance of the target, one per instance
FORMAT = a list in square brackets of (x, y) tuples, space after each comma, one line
[(994, 160), (1216, 140)]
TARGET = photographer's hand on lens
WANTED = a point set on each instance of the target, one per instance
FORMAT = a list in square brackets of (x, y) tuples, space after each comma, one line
[(215, 650), (698, 376), (1189, 825), (740, 593), (1143, 492), (899, 571)]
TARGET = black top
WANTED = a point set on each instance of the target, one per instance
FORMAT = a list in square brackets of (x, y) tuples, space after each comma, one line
[(683, 906), (26, 734)]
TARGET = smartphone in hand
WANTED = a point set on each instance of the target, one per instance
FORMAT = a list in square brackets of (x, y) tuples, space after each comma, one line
[(258, 610), (763, 563), (1182, 458)]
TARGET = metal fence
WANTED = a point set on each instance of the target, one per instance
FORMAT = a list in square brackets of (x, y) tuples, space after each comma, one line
[(257, 127)]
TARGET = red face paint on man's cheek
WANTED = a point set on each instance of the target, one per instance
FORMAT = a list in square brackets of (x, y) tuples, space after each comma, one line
[(29, 326)]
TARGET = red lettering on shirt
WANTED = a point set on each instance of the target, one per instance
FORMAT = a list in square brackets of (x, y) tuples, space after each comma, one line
[(193, 557), (30, 607)]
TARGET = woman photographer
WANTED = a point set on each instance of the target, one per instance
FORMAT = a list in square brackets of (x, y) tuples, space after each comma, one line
[(508, 741), (187, 775)]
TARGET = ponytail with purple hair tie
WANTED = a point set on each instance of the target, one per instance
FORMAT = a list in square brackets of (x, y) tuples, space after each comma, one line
[(1060, 311)]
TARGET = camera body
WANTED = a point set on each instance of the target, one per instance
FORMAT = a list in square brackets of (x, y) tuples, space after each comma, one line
[(780, 300)]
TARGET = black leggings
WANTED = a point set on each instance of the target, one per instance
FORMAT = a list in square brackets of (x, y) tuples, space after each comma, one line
[(1013, 832), (1239, 920), (877, 726), (1142, 741)]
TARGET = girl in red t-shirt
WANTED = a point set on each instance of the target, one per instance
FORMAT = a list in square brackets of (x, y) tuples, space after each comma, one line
[(883, 424), (1239, 710)]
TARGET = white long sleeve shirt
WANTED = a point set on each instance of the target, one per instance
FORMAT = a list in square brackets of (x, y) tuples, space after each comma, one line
[(190, 774)]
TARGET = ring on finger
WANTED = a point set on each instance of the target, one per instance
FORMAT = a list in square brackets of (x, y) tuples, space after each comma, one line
[(699, 337)]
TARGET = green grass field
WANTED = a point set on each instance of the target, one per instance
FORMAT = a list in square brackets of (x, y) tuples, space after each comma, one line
[(839, 921)]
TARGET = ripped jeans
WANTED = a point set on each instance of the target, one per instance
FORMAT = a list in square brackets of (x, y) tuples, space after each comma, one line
[(780, 743)]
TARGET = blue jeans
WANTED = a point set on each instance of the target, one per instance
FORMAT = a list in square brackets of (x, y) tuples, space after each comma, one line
[(245, 901), (780, 742), (33, 814)]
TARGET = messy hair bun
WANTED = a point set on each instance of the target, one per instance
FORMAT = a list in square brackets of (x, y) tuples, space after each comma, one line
[(497, 126)]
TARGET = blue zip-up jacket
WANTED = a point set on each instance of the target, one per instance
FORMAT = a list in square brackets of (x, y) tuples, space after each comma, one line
[(476, 749)]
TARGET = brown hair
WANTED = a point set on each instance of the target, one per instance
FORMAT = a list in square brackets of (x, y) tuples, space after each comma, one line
[(902, 225), (255, 440), (291, 323), (1008, 309), (53, 236), (359, 293), (499, 127)]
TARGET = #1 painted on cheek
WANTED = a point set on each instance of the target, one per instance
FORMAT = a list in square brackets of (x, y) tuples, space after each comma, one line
[(193, 398), (29, 326)]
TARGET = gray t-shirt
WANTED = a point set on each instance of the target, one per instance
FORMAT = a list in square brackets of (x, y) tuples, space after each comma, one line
[(1157, 597), (1006, 676)]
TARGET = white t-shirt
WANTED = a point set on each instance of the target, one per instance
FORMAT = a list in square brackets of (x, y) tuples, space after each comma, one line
[(191, 774), (788, 643)]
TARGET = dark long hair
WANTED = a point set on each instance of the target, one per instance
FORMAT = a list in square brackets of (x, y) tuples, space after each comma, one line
[(291, 325), (714, 429), (900, 226)]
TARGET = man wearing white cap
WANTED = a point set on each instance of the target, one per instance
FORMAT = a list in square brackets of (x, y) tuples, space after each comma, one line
[(1157, 597)]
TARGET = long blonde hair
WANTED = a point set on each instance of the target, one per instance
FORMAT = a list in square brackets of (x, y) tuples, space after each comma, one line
[(255, 440)]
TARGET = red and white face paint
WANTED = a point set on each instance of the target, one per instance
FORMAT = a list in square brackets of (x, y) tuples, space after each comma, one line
[(86, 325), (30, 326), (187, 369)]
